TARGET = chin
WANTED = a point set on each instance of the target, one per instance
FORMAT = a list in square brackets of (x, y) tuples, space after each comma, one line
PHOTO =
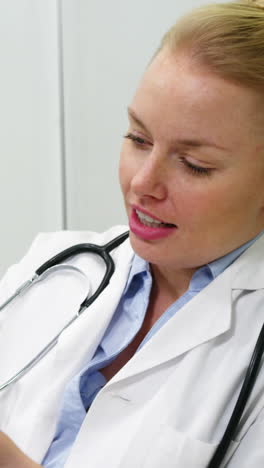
[(151, 251)]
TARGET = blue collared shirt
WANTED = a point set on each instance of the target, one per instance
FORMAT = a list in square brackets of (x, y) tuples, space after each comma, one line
[(126, 322)]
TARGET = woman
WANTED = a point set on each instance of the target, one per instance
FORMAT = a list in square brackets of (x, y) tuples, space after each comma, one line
[(165, 348)]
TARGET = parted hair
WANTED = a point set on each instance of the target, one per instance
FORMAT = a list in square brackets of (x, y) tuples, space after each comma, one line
[(227, 38)]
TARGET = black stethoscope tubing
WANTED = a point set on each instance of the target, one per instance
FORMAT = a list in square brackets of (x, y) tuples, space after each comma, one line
[(102, 250), (247, 387)]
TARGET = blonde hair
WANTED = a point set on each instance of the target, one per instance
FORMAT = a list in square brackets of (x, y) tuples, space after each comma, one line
[(228, 38)]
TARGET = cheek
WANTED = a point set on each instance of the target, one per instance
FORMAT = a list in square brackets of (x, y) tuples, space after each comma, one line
[(201, 203), (208, 205), (127, 167), (126, 170), (123, 173)]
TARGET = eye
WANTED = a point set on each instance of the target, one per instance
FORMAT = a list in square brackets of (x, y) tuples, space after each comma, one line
[(136, 139), (197, 170)]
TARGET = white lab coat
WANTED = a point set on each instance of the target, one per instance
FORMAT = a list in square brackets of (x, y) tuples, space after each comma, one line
[(169, 405)]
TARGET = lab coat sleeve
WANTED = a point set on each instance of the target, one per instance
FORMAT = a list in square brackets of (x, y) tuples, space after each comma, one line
[(250, 451)]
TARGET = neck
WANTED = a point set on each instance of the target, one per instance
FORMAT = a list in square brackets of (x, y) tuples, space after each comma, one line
[(166, 289), (171, 284)]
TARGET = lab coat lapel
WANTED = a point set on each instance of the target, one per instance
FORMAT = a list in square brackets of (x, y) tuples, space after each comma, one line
[(78, 343), (203, 318)]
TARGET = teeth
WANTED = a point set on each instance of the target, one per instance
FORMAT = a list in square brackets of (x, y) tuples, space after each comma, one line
[(148, 221)]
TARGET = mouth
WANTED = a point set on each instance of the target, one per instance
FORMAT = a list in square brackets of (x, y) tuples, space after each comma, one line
[(147, 220), (147, 227)]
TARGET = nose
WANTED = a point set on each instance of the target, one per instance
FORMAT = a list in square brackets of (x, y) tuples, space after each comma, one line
[(150, 177)]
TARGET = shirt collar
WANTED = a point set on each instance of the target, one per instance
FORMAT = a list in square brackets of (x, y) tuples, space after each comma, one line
[(219, 265), (139, 267), (203, 275)]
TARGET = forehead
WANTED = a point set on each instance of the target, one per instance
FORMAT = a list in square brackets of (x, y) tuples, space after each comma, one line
[(177, 95)]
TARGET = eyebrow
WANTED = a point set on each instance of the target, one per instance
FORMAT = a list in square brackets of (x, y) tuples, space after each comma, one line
[(188, 142)]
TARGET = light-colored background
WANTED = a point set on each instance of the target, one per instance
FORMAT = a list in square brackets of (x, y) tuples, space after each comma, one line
[(68, 71)]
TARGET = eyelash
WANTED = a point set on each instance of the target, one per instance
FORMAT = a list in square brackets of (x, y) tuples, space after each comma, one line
[(197, 170), (135, 139)]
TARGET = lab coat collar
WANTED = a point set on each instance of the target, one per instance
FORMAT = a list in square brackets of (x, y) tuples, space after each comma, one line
[(219, 265), (248, 271)]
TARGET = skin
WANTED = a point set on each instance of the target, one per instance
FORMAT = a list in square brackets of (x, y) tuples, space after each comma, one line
[(11, 456), (215, 213)]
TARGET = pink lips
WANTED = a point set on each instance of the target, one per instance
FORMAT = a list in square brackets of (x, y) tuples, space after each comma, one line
[(147, 232)]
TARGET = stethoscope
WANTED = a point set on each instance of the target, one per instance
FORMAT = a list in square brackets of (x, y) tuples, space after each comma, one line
[(104, 252)]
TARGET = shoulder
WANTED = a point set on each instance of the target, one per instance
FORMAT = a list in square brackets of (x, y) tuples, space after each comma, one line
[(45, 246)]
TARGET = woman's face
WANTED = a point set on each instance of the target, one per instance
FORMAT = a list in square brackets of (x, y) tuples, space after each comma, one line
[(193, 159)]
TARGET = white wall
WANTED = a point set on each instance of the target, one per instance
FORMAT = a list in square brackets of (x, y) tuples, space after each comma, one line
[(30, 158), (106, 48)]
